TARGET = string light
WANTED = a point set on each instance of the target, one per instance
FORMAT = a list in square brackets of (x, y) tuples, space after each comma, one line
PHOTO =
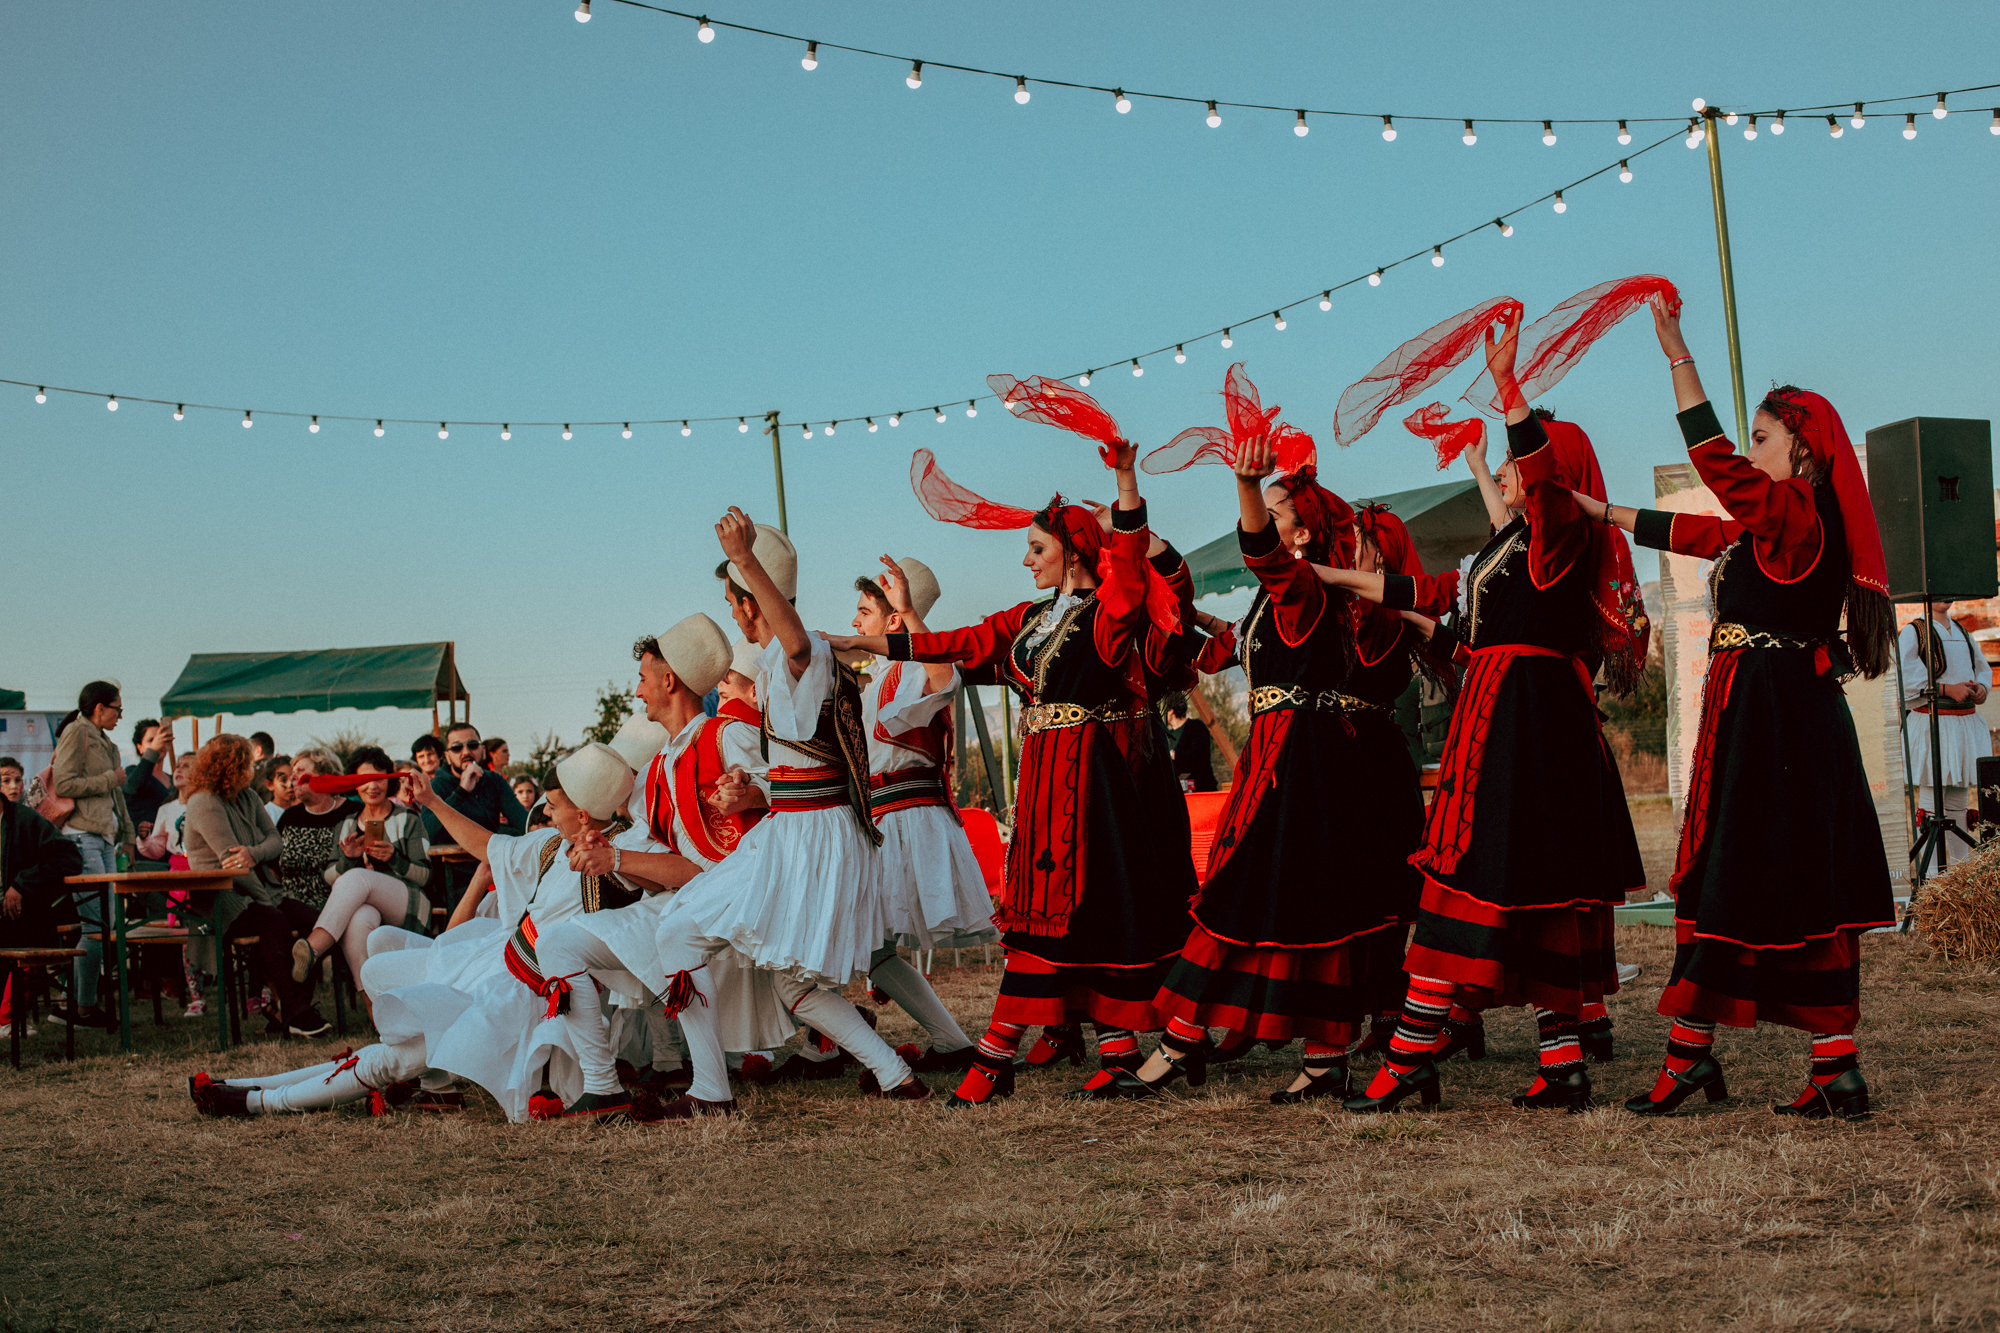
[(1938, 111), (915, 78), (686, 430), (1624, 135), (742, 426), (1833, 127), (1437, 256), (1326, 300), (1697, 133), (704, 32), (1994, 128), (1560, 206), (940, 411), (1120, 100), (1021, 89), (1910, 125), (1227, 340), (583, 11), (1388, 130), (805, 431), (1180, 356), (314, 428), (1375, 278), (1624, 171), (895, 418), (1548, 134), (1278, 321), (1750, 130), (1214, 117), (1083, 379), (378, 431), (111, 403), (1778, 125), (1859, 119), (566, 431), (810, 60), (628, 430), (1729, 119), (872, 427), (506, 431), (444, 431), (971, 407), (180, 410), (1137, 369), (830, 425), (1470, 137), (1506, 227), (1301, 128), (246, 418), (42, 396), (1701, 104)]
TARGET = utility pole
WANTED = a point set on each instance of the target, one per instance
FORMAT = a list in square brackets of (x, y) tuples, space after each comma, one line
[(1713, 125), (778, 467)]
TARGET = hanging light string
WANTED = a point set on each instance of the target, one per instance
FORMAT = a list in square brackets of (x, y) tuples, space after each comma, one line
[(1124, 97)]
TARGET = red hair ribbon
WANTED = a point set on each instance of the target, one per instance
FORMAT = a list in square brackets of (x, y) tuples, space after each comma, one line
[(346, 784), (1415, 366), (1449, 438), (1248, 418), (1060, 404), (1558, 340)]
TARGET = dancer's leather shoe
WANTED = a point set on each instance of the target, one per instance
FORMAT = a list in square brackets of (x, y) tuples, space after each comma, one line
[(1570, 1091), (1126, 1085), (934, 1061), (1067, 1045), (1845, 1097), (911, 1089), (1003, 1086), (1423, 1080), (1223, 1054), (220, 1099), (1704, 1076), (1333, 1083), (685, 1107), (1467, 1037)]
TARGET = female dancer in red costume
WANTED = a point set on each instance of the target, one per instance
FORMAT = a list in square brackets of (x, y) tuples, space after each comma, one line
[(1098, 873), (1529, 841), (1781, 866)]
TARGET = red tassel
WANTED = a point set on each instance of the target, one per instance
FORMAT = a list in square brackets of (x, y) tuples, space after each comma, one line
[(821, 1042), (378, 1105), (347, 1060), (1822, 661), (877, 994), (908, 1051), (557, 989), (202, 1080), (681, 992), (757, 1067), (545, 1106)]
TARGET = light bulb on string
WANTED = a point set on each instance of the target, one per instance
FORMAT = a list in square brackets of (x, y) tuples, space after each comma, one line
[(971, 408), (742, 426), (111, 403), (1560, 206), (1388, 130), (1994, 128), (1624, 171), (1084, 379), (1859, 119), (896, 419), (686, 430), (1701, 104), (940, 415), (1548, 134), (378, 431), (1470, 137), (1729, 119), (1375, 278), (1437, 256), (1833, 127), (1938, 111), (1326, 300), (42, 396), (872, 427), (1278, 321), (810, 60), (1300, 127), (1214, 117), (1624, 135), (1909, 125), (506, 431), (246, 418), (1697, 134), (1778, 124), (566, 430), (915, 78), (180, 410), (1137, 369), (1750, 130), (1506, 227), (1180, 356), (628, 430), (1227, 340), (314, 428), (704, 32), (805, 431), (583, 11), (1120, 100), (444, 431), (1021, 90), (830, 425)]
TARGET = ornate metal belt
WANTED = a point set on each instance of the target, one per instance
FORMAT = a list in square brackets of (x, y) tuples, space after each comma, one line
[(1047, 717), (1731, 635), (1264, 698)]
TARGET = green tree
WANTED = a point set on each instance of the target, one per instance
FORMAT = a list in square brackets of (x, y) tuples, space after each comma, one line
[(613, 707), (343, 743), (548, 751)]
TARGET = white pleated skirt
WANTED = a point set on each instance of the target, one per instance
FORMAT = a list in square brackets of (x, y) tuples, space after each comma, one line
[(936, 890), (1961, 740)]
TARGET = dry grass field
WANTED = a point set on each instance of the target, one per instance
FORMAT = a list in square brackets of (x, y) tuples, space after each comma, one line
[(820, 1209)]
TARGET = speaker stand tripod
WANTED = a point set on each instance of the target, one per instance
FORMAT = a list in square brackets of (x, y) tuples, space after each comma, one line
[(1933, 827)]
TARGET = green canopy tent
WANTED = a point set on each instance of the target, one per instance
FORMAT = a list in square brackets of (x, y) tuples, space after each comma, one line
[(403, 675), (1447, 522), (13, 700)]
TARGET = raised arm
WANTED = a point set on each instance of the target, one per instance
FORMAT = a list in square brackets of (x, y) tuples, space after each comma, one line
[(1702, 535), (738, 536), (896, 587), (975, 647), (1497, 513), (1296, 596), (461, 830)]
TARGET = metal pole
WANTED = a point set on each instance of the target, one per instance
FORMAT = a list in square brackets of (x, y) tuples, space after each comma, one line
[(778, 467), (1728, 276), (1007, 742)]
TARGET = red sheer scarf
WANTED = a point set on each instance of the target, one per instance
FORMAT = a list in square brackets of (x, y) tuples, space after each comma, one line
[(1558, 340), (1814, 420), (1449, 438), (1062, 405), (1415, 366), (1622, 629), (1247, 416)]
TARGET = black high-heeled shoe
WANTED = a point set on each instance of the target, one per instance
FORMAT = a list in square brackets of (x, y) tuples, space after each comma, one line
[(1126, 1085), (1597, 1044), (1467, 1037), (1846, 1097), (1704, 1076), (1571, 1092), (1003, 1086), (1067, 1045), (1223, 1055), (1423, 1080), (1333, 1083)]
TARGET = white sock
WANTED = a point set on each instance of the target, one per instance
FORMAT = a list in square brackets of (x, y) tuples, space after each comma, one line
[(907, 987)]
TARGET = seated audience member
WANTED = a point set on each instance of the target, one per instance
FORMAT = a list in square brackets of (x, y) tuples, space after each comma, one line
[(34, 860), (475, 791), (146, 784), (498, 758), (13, 777), (262, 747), (379, 872), (166, 843), (427, 753), (526, 792), (227, 828), (310, 831), (274, 775)]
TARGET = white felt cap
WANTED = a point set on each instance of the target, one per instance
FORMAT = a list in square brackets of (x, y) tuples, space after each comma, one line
[(924, 590), (638, 740), (774, 551), (743, 661), (596, 779), (698, 652)]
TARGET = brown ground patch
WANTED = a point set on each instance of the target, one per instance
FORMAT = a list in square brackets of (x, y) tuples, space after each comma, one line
[(821, 1210)]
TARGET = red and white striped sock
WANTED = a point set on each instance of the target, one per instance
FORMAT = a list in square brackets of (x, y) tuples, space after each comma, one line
[(1418, 1032), (1687, 1042), (995, 1051), (1117, 1048), (1561, 1048)]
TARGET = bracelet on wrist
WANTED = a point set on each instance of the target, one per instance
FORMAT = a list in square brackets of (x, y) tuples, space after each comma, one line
[(1677, 362)]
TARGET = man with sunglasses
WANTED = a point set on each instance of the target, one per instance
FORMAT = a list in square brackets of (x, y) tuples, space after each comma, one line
[(468, 786)]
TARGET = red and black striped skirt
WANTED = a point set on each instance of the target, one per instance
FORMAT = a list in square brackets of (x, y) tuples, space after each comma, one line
[(1038, 993), (1271, 993), (1559, 958), (1814, 986)]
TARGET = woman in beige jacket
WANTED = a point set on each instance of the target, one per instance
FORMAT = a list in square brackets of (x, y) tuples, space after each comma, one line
[(87, 770)]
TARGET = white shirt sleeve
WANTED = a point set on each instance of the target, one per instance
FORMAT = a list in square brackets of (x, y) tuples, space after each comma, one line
[(1982, 670), (741, 748), (515, 862), (793, 705), (915, 705), (1914, 677)]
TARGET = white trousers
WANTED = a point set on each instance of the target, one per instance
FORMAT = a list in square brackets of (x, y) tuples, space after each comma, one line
[(569, 951), (907, 987), (333, 1083), (359, 902)]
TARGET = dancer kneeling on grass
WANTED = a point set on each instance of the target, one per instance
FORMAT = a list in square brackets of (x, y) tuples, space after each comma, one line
[(1098, 873), (1529, 841), (801, 895), (1781, 866)]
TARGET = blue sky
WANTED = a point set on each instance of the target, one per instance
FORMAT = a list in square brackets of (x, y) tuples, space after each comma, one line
[(459, 210)]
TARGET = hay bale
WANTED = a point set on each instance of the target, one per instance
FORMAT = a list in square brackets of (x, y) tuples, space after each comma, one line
[(1959, 911)]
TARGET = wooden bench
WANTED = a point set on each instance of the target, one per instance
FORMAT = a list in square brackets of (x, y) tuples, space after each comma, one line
[(16, 963)]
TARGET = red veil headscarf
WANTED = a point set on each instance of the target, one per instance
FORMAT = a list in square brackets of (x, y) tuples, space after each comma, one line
[(1328, 517), (1376, 629), (1813, 419), (1621, 626)]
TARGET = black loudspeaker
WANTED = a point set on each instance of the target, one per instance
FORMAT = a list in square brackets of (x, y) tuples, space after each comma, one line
[(1931, 480), (1986, 811)]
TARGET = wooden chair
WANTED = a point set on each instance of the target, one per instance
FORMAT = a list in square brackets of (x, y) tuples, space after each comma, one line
[(15, 965)]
